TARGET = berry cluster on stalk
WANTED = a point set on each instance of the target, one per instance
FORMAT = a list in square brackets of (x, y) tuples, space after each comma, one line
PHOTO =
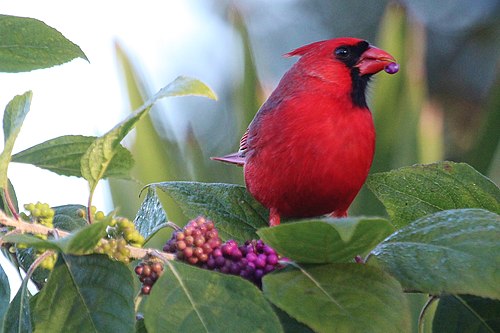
[(40, 213), (198, 243), (148, 273), (120, 234)]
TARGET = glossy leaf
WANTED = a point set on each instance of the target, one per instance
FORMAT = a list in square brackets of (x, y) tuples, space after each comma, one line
[(17, 318), (454, 251), (464, 313), (234, 211), (27, 44), (150, 215), (4, 294), (92, 293), (339, 298), (97, 158), (412, 192), (62, 155), (327, 240), (203, 301)]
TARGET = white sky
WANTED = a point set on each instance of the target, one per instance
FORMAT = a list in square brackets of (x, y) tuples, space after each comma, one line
[(87, 99)]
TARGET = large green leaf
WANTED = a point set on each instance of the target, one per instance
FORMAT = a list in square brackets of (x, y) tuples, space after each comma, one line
[(190, 299), (467, 314), (327, 240), (17, 318), (412, 192), (97, 158), (340, 298), (62, 155), (86, 294), (4, 294), (454, 251), (13, 118), (234, 211), (27, 44)]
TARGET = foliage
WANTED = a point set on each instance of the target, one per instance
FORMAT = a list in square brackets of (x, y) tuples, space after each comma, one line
[(343, 275)]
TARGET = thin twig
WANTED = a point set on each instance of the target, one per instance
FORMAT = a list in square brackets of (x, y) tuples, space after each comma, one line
[(34, 228)]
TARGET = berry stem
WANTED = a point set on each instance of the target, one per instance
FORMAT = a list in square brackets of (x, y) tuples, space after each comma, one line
[(89, 211), (10, 204), (34, 228)]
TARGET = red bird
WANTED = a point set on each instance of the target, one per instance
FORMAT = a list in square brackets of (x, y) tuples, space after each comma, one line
[(309, 148)]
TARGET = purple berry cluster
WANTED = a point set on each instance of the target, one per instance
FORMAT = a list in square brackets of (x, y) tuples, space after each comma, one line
[(198, 243), (148, 273), (195, 242), (251, 260)]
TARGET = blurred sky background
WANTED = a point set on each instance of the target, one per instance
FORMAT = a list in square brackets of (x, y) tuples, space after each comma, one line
[(443, 104)]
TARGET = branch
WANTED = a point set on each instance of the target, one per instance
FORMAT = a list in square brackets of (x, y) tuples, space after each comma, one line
[(33, 228)]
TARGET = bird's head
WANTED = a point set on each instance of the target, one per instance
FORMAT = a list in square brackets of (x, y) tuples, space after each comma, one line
[(340, 59)]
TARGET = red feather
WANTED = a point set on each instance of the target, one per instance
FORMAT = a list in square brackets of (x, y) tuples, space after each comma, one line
[(309, 148)]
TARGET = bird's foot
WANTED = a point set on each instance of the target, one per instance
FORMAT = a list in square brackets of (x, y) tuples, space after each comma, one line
[(274, 218)]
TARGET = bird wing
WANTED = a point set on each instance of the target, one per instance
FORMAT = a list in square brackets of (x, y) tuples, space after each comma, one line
[(237, 158)]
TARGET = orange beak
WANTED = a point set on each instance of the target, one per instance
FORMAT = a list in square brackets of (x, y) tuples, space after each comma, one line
[(373, 61)]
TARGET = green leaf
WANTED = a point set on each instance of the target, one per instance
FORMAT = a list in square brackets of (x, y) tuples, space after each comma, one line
[(91, 293), (234, 211), (13, 118), (4, 294), (204, 301), (97, 158), (150, 215), (464, 313), (339, 298), (17, 318), (412, 192), (69, 217), (62, 155), (454, 251), (27, 44), (290, 324), (327, 240)]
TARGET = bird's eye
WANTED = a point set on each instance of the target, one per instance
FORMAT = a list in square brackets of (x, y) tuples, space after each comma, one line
[(342, 52)]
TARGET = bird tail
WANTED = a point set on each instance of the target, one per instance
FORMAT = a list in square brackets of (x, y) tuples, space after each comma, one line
[(234, 158)]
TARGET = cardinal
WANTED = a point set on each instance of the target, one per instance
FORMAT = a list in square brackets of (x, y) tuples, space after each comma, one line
[(309, 148)]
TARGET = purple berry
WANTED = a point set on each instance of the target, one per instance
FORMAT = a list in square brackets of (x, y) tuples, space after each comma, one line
[(251, 257), (272, 259), (392, 68)]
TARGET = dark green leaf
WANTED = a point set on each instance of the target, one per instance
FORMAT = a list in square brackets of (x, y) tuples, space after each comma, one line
[(17, 318), (454, 251), (339, 298), (4, 294), (467, 314), (97, 158), (412, 192), (69, 217), (62, 155), (13, 119), (327, 240), (234, 211), (204, 301), (150, 215), (140, 326), (27, 44), (86, 294)]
